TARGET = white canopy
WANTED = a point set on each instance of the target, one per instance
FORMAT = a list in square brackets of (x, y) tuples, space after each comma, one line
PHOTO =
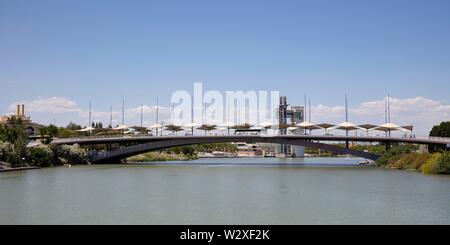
[(87, 129), (266, 124), (308, 125), (227, 124), (305, 124), (388, 127), (222, 128), (291, 128), (257, 127), (130, 130), (347, 126), (121, 127), (191, 125), (155, 125)]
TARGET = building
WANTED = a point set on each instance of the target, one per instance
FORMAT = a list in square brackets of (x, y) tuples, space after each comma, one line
[(290, 115), (31, 127), (246, 149)]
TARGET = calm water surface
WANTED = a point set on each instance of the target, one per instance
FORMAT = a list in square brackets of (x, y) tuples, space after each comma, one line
[(225, 191)]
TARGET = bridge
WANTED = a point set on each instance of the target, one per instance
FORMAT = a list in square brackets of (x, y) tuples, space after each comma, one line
[(136, 145)]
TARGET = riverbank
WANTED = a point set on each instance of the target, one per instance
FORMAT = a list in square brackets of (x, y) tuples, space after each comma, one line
[(427, 163), (160, 157), (16, 169)]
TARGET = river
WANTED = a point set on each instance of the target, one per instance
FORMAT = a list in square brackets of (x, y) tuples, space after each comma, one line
[(225, 191)]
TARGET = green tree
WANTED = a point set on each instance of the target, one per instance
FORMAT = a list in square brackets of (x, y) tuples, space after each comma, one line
[(441, 130), (444, 163), (47, 133), (13, 131), (66, 133), (40, 156), (73, 126)]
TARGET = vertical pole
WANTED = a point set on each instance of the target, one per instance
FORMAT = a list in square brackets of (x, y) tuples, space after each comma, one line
[(385, 114), (157, 114), (192, 115), (389, 108), (304, 113), (173, 114), (123, 112), (90, 114), (346, 119), (346, 108), (389, 112), (157, 110), (142, 117), (110, 117), (309, 102)]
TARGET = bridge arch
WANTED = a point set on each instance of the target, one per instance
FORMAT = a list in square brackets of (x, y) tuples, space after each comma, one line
[(119, 154)]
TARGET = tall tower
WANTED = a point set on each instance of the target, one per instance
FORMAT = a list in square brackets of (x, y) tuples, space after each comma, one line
[(283, 121), (283, 114)]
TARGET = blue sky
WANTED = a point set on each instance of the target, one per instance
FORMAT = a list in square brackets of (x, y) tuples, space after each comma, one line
[(103, 51)]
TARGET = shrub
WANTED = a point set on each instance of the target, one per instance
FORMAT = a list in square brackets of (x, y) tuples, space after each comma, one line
[(397, 150), (69, 153), (444, 163), (40, 156), (431, 165), (7, 152)]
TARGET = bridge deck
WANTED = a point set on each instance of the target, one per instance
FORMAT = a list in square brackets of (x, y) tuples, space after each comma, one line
[(252, 138)]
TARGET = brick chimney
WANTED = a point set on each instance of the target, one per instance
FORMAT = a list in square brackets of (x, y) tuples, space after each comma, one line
[(18, 110), (23, 110)]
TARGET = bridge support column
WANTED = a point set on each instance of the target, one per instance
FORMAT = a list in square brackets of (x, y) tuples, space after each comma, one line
[(388, 146)]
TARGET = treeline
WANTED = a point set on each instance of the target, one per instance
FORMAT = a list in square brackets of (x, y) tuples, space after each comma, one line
[(70, 130), (189, 152), (209, 148), (14, 150), (441, 130)]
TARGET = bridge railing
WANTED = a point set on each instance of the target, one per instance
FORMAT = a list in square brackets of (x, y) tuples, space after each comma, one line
[(337, 135)]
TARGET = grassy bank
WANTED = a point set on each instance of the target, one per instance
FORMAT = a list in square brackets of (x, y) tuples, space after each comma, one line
[(160, 157), (428, 163)]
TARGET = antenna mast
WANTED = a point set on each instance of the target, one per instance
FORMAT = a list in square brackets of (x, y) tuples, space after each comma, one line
[(123, 112), (90, 114), (157, 109), (346, 108)]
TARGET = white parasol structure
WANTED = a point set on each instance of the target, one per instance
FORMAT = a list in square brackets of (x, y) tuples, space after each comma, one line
[(326, 126), (389, 127), (87, 129), (191, 125), (266, 124), (129, 131), (347, 126), (156, 126), (227, 125), (308, 126), (367, 127), (121, 127)]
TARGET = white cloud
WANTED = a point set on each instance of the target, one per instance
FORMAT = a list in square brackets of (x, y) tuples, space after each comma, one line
[(50, 105)]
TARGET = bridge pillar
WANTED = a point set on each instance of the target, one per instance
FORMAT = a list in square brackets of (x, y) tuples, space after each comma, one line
[(298, 151)]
